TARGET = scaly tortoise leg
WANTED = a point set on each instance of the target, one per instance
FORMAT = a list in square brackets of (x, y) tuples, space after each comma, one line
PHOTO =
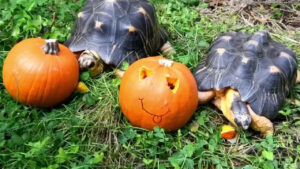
[(119, 73), (91, 61), (167, 49), (233, 108), (205, 96), (261, 123)]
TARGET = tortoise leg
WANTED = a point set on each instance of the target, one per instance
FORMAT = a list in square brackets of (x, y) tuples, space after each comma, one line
[(167, 49), (90, 60), (119, 73), (205, 96), (233, 108), (261, 123)]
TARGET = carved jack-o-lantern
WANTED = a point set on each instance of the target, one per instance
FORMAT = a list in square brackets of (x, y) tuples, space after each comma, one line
[(158, 92)]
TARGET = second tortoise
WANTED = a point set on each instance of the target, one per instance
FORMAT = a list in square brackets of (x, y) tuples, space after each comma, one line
[(248, 77)]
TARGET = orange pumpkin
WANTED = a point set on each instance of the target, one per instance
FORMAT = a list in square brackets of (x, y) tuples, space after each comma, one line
[(33, 76), (158, 92)]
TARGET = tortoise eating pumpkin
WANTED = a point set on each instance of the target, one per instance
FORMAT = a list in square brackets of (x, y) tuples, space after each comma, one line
[(115, 31), (248, 78)]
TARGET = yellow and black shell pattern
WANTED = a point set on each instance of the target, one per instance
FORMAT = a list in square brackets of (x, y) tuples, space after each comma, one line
[(118, 30), (260, 69)]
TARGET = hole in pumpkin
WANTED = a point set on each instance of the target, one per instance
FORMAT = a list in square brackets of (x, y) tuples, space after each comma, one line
[(173, 84), (144, 73)]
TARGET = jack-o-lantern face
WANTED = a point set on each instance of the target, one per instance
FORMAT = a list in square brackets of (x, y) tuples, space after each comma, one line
[(158, 92)]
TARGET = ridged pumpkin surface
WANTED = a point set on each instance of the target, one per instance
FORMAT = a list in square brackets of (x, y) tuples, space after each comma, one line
[(35, 78), (152, 94)]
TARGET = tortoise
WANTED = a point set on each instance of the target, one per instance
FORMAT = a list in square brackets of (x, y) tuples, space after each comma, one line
[(115, 31), (247, 76)]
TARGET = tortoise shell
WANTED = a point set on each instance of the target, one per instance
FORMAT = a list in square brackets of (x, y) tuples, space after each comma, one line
[(118, 30), (260, 69)]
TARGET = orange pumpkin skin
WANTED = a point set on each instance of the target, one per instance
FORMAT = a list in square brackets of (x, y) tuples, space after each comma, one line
[(152, 94), (35, 78)]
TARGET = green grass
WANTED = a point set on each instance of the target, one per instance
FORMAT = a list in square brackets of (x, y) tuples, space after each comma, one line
[(89, 130)]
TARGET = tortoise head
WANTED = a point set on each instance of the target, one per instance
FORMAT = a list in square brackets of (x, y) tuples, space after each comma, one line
[(242, 116)]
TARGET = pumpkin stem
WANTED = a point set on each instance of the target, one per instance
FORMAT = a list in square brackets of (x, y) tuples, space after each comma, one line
[(51, 47)]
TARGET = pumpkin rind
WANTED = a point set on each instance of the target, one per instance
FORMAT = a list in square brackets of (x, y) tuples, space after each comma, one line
[(147, 99), (35, 78), (228, 132)]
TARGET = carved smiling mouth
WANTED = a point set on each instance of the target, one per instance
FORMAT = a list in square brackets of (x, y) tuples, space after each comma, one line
[(156, 118)]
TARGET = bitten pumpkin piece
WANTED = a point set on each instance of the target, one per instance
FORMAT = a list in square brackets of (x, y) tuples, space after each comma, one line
[(158, 92), (228, 132), (40, 73)]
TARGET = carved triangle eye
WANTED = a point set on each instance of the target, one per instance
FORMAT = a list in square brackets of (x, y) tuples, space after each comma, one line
[(144, 73), (173, 84)]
